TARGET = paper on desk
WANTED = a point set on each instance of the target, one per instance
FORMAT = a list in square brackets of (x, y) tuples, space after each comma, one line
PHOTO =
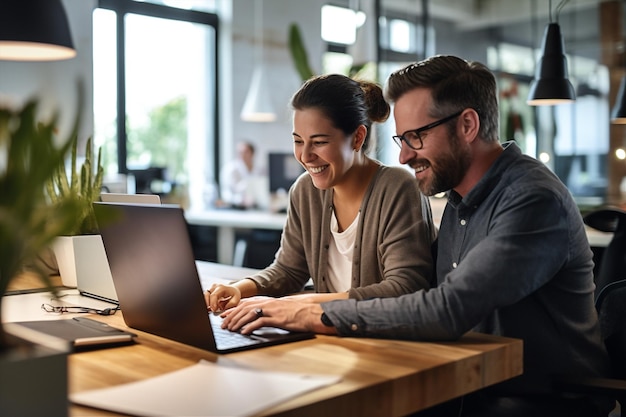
[(27, 307), (204, 389)]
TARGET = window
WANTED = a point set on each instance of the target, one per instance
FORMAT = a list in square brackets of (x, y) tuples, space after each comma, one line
[(339, 24), (155, 112), (571, 139), (343, 30), (403, 40)]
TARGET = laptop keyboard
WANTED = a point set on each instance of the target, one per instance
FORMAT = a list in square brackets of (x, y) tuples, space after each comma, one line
[(225, 339)]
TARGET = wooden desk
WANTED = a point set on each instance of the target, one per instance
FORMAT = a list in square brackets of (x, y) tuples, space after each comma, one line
[(379, 377), (29, 280)]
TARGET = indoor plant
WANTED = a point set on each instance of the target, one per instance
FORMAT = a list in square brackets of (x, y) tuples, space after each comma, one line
[(80, 250), (28, 224), (300, 58), (84, 187)]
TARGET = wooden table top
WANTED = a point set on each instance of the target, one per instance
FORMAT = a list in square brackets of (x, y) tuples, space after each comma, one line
[(379, 377)]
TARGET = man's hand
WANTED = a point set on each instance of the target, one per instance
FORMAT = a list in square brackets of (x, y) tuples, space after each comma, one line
[(252, 314)]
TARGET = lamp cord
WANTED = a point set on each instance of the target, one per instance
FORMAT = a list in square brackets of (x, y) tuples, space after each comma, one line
[(258, 31), (558, 9)]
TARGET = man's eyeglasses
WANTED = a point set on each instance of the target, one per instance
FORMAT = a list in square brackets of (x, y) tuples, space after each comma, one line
[(413, 138), (49, 308)]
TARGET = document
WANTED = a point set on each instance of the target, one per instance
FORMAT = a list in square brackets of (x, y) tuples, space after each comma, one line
[(204, 389)]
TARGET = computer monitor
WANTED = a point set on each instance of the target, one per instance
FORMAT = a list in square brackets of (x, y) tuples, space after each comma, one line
[(283, 170)]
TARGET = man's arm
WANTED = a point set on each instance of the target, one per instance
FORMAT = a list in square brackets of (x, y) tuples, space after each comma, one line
[(292, 315)]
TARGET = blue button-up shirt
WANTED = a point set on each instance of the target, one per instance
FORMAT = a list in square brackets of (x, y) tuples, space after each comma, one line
[(513, 259)]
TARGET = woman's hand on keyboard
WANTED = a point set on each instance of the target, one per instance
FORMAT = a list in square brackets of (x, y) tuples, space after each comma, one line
[(221, 297)]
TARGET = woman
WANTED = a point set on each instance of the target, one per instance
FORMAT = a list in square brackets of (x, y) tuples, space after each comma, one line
[(357, 228)]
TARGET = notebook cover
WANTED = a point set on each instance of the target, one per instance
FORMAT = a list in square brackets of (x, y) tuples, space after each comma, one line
[(82, 332)]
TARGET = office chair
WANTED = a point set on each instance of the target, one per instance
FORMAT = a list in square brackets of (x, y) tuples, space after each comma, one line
[(257, 249), (611, 306), (612, 265)]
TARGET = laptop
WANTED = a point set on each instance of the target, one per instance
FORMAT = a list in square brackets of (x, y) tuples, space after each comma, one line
[(157, 283), (99, 284)]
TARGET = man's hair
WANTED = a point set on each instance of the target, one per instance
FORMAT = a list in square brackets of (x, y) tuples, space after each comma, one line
[(249, 145), (455, 84)]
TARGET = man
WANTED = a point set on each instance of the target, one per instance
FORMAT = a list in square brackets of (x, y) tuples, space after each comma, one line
[(235, 178), (512, 255)]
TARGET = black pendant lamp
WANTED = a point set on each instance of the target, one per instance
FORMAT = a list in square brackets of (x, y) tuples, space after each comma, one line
[(551, 84), (34, 30)]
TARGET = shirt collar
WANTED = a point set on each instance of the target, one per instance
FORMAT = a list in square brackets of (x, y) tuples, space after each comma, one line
[(489, 181)]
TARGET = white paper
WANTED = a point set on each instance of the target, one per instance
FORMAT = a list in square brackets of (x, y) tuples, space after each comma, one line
[(27, 307), (204, 389)]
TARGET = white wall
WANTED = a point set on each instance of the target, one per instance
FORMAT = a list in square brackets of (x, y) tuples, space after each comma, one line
[(282, 77), (55, 83)]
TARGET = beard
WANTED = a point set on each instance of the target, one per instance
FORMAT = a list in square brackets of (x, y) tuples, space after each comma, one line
[(448, 169)]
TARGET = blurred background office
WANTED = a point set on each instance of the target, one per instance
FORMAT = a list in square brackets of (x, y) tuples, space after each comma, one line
[(174, 85), (170, 82), (243, 184)]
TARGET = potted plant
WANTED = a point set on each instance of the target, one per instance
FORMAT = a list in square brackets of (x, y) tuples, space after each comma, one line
[(28, 224), (80, 250)]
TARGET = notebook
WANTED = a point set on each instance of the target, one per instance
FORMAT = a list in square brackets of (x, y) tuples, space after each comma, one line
[(81, 333), (130, 198), (157, 283)]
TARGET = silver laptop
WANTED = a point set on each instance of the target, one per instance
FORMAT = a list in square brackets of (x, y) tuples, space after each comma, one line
[(99, 284), (157, 283)]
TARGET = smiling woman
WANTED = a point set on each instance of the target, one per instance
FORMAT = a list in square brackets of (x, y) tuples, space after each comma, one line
[(357, 228)]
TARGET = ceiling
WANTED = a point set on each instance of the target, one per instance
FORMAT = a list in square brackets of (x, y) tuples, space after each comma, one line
[(481, 14), (516, 21)]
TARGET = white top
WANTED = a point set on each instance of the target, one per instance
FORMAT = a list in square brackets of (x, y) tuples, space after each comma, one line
[(234, 183), (340, 255)]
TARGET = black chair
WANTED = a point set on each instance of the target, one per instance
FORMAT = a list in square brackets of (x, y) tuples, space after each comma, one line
[(612, 265), (611, 306), (257, 248)]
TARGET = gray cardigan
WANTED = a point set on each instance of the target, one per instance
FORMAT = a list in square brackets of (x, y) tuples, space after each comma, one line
[(392, 252)]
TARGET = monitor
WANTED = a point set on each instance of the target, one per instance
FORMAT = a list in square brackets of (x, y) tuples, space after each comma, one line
[(283, 170)]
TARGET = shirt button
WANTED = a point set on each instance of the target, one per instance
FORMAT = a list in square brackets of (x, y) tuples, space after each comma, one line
[(454, 265), (354, 327), (463, 222)]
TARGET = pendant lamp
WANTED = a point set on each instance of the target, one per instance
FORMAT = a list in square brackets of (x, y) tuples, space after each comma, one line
[(258, 105), (34, 30), (618, 114), (551, 84)]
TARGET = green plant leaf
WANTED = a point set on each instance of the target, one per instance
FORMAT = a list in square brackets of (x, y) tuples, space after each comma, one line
[(29, 221), (299, 53)]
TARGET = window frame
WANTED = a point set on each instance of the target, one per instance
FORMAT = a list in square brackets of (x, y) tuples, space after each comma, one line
[(123, 7)]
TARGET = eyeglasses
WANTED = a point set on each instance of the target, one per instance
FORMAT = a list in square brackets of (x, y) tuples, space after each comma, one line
[(413, 138), (48, 308)]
